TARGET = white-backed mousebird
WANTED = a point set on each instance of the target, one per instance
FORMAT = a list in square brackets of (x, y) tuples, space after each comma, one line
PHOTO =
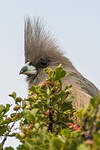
[(41, 51)]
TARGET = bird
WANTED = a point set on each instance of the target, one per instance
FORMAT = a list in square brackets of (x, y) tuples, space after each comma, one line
[(42, 51)]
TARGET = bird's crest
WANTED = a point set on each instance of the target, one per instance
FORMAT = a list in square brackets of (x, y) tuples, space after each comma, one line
[(38, 42)]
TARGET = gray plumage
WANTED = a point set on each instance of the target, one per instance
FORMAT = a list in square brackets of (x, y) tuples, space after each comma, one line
[(41, 51)]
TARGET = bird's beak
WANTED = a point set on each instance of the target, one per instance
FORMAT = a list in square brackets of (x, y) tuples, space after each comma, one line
[(28, 70)]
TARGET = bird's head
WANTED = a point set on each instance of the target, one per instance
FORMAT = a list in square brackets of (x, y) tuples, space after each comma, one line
[(41, 51)]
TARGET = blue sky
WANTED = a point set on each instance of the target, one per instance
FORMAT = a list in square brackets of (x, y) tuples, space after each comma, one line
[(74, 23)]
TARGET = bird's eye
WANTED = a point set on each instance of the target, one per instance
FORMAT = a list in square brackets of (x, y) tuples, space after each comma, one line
[(44, 63)]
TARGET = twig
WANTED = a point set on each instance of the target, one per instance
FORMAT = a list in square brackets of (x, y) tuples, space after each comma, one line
[(3, 142), (6, 135), (85, 122), (50, 127)]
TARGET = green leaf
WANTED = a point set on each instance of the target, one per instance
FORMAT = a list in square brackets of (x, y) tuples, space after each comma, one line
[(3, 129), (34, 111), (64, 95), (21, 147), (93, 102), (96, 138), (7, 107), (6, 121), (32, 89), (84, 147), (23, 104), (67, 105), (19, 99), (16, 108), (65, 132), (57, 143), (48, 71), (9, 148), (13, 95), (13, 115), (2, 108), (59, 73)]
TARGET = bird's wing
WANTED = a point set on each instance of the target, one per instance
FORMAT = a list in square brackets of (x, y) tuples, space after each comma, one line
[(85, 84)]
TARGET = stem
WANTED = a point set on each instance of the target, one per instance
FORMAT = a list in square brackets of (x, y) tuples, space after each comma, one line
[(50, 127), (3, 142)]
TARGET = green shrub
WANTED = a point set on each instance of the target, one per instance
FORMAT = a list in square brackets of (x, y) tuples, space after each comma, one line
[(47, 120)]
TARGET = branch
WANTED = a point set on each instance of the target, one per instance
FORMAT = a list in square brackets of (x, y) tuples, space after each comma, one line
[(6, 135), (50, 127), (3, 142)]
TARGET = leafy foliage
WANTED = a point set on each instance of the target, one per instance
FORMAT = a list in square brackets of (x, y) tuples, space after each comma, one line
[(47, 119)]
